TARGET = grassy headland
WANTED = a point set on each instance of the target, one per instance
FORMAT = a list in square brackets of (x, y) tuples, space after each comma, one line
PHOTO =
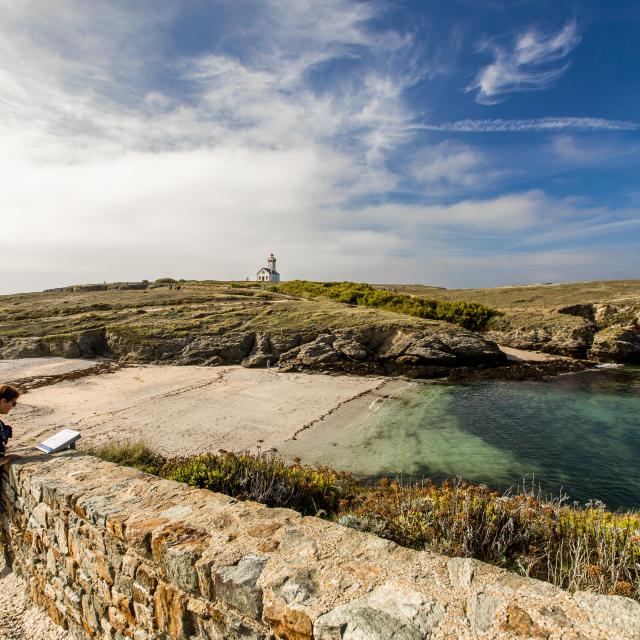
[(204, 308)]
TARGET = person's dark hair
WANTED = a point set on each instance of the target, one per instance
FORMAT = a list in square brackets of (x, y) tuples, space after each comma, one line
[(7, 392)]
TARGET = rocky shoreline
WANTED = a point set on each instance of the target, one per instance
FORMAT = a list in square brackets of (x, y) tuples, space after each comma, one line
[(393, 350)]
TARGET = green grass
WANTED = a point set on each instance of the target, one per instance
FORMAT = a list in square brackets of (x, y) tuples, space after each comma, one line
[(574, 548), (197, 308), (470, 315)]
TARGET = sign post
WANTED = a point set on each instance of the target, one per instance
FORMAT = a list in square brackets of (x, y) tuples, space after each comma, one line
[(65, 439)]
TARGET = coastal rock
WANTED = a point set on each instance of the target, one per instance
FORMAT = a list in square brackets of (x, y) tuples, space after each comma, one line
[(606, 315), (385, 349), (351, 349), (470, 347), (401, 351), (261, 354), (573, 342), (87, 344), (228, 348), (616, 344), (586, 311), (23, 348)]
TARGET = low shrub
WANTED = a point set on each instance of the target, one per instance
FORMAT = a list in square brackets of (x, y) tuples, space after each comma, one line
[(574, 548), (130, 454), (262, 477), (470, 315)]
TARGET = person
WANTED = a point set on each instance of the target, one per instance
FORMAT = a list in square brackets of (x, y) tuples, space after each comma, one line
[(8, 399)]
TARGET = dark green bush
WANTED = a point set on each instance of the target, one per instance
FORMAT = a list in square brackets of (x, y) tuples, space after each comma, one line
[(470, 315)]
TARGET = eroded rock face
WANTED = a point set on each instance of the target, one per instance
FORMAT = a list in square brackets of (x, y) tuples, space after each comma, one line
[(383, 350), (603, 332), (410, 352), (616, 344), (573, 342), (85, 344)]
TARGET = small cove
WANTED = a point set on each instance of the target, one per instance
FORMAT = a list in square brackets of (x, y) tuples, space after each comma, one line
[(579, 433)]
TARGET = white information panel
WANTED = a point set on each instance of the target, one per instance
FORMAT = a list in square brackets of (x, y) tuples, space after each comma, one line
[(62, 440)]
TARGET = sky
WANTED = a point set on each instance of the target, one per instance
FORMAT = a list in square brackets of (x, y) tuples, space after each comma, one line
[(457, 143)]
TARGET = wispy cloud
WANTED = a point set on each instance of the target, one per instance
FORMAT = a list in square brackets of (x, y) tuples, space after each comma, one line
[(534, 124), (527, 66)]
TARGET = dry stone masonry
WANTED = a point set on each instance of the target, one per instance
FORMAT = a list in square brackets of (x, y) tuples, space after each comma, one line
[(110, 552)]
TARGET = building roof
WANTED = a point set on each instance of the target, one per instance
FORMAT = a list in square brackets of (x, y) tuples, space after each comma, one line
[(271, 271)]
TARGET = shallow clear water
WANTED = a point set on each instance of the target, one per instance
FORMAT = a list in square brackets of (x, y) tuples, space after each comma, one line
[(579, 433)]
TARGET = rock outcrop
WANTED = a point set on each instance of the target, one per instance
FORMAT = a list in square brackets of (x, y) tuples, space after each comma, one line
[(616, 344), (385, 349), (601, 332)]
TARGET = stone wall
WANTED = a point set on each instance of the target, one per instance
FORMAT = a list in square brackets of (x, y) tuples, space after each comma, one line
[(110, 552)]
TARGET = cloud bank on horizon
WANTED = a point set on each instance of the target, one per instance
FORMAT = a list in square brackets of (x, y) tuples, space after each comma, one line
[(458, 144)]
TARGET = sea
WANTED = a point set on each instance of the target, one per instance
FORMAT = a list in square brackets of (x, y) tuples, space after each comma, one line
[(575, 437)]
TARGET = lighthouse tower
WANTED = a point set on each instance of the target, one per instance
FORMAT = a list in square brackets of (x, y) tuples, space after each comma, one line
[(269, 273)]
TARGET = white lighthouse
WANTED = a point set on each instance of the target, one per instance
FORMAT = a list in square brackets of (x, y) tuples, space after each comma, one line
[(269, 273)]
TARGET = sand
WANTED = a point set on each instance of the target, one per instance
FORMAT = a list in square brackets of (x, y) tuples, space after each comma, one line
[(31, 367), (520, 355), (186, 410)]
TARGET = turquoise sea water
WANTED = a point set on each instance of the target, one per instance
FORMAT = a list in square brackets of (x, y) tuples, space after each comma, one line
[(578, 433)]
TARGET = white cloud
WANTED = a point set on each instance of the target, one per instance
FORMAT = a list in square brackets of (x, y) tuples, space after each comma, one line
[(526, 66), (504, 214), (448, 164)]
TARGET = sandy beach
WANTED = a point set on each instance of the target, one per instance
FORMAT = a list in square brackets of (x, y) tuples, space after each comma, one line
[(32, 367), (186, 410), (520, 355)]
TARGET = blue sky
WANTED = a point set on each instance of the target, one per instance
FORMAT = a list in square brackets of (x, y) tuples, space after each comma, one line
[(461, 143)]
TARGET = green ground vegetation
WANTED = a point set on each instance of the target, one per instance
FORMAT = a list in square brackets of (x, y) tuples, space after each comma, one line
[(197, 308), (527, 305), (471, 315), (571, 547)]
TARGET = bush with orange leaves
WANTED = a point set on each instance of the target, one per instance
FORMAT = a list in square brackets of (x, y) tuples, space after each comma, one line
[(574, 548)]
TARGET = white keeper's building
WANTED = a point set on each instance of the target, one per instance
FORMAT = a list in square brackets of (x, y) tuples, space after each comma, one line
[(268, 273)]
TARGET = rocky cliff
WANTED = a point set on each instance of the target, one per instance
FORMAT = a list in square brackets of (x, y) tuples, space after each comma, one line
[(386, 348), (598, 331)]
